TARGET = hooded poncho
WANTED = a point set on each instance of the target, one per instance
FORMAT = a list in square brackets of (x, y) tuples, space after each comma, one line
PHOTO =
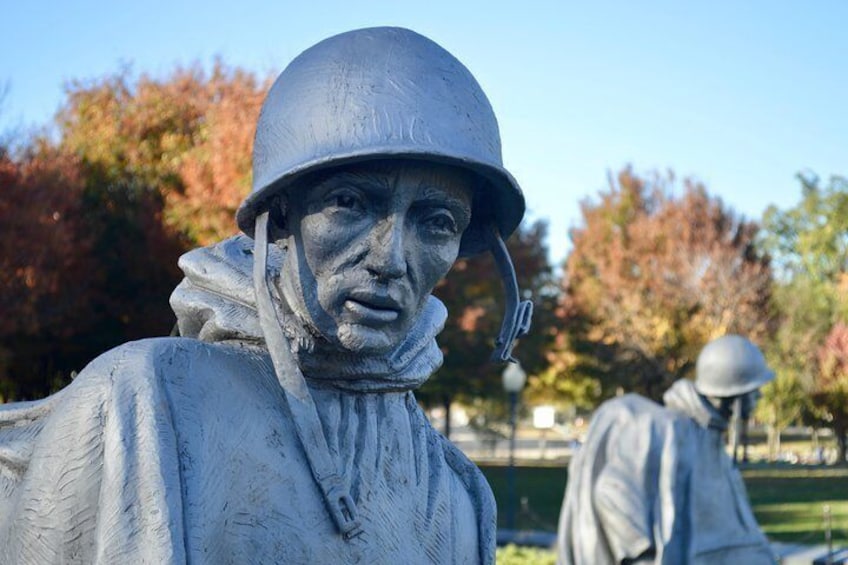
[(655, 482), (175, 450)]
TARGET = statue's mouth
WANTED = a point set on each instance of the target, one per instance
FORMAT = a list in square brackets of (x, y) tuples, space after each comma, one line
[(372, 308)]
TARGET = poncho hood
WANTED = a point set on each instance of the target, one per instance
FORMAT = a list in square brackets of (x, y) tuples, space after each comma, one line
[(684, 398)]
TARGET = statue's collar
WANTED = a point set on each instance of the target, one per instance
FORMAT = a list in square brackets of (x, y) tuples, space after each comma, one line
[(404, 368), (215, 302)]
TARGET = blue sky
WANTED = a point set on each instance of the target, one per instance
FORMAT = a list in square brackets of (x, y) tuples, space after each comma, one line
[(741, 95)]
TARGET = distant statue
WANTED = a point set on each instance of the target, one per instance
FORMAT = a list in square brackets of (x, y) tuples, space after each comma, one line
[(654, 484), (281, 426)]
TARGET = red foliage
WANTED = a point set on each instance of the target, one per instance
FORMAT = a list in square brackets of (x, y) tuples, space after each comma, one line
[(46, 264), (833, 360), (92, 227), (830, 391)]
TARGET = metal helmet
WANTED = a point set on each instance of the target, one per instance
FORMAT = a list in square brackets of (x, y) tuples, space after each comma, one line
[(381, 93), (730, 366)]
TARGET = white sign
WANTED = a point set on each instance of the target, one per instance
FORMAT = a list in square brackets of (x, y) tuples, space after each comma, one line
[(543, 417)]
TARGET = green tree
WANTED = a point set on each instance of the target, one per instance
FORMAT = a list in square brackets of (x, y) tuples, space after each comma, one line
[(653, 276), (809, 244), (781, 405), (811, 239)]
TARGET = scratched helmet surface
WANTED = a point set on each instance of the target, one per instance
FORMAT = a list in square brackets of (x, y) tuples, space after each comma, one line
[(381, 93), (730, 366)]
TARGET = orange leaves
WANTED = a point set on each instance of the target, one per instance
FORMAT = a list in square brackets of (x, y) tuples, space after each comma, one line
[(469, 320), (658, 272), (187, 137), (216, 171)]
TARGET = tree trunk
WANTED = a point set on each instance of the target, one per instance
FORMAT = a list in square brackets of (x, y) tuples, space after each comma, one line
[(840, 443), (446, 404), (771, 434)]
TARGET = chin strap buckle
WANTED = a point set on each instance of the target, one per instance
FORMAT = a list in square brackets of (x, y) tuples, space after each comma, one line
[(514, 327), (343, 511), (519, 313)]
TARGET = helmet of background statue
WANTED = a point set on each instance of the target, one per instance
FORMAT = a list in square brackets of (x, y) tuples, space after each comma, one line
[(381, 93), (730, 366)]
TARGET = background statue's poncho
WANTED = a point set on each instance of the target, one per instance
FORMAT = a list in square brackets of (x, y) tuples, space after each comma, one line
[(657, 479), (179, 450)]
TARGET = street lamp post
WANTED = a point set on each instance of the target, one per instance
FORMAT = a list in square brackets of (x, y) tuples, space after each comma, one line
[(514, 378)]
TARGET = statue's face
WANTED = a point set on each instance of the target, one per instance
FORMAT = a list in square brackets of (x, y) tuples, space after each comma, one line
[(367, 245)]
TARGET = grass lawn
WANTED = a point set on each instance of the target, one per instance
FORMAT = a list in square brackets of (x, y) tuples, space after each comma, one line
[(788, 500), (543, 487)]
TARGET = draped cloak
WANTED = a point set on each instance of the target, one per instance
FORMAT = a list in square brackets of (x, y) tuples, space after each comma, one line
[(655, 482), (176, 450)]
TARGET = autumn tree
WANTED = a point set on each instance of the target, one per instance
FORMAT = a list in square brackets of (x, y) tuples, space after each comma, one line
[(84, 268), (186, 137), (47, 272), (565, 381), (473, 294), (830, 392), (41, 203), (656, 272), (148, 168), (166, 163)]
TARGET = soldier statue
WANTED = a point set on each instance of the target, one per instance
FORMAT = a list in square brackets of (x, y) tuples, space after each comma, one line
[(281, 425), (654, 484)]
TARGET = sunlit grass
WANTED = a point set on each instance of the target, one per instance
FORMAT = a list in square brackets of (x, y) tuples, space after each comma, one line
[(789, 501)]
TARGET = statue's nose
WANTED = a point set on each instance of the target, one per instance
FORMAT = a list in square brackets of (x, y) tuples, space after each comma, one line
[(386, 257)]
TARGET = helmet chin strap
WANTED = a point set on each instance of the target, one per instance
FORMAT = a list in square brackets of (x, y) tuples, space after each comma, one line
[(518, 313), (333, 485)]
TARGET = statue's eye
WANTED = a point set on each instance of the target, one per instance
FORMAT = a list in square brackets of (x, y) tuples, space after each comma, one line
[(346, 201), (441, 222)]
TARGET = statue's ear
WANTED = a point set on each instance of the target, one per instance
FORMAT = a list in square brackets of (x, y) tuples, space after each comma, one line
[(277, 219)]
